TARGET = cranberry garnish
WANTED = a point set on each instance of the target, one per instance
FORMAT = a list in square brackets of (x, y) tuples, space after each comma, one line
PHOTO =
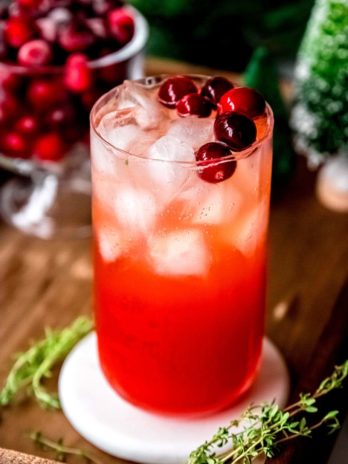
[(174, 88), (15, 144), (215, 88), (35, 53), (18, 31), (49, 147), (243, 100), (27, 125), (121, 25), (212, 169), (43, 94), (78, 76), (194, 104), (236, 130), (76, 38)]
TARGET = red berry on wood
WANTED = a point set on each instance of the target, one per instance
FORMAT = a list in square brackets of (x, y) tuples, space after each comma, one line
[(236, 130), (243, 100), (212, 167)]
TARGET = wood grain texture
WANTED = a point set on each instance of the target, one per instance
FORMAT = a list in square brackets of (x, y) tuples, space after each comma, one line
[(49, 283)]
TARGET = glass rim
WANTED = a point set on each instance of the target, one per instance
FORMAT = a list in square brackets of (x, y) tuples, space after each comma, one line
[(131, 49), (235, 155)]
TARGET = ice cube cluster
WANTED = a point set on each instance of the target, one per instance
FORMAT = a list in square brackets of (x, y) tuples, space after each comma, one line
[(152, 166)]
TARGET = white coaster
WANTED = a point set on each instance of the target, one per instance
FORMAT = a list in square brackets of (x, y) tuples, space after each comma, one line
[(123, 430)]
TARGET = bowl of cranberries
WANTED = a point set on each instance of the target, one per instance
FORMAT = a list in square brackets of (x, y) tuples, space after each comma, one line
[(57, 57)]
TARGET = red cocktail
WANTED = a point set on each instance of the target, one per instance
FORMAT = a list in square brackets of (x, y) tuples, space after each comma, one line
[(180, 213)]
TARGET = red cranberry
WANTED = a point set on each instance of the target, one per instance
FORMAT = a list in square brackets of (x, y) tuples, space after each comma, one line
[(78, 76), (27, 125), (35, 53), (9, 81), (212, 167), (236, 130), (60, 116), (243, 100), (43, 94), (15, 144), (194, 104), (121, 25), (30, 4), (101, 7), (97, 26), (49, 147), (47, 28), (174, 88), (215, 88), (18, 31), (76, 38), (9, 107)]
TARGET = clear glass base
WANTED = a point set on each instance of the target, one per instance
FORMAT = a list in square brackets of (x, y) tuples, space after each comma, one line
[(48, 206)]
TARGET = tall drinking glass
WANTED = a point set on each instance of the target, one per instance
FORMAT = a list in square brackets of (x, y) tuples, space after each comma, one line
[(179, 262)]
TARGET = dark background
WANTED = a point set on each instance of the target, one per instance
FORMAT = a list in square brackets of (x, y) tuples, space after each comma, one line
[(223, 33)]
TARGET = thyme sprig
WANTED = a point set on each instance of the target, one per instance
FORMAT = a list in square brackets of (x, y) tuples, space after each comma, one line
[(261, 429), (34, 365), (62, 451)]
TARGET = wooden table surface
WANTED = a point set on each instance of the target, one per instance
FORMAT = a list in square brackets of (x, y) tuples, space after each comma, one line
[(48, 283)]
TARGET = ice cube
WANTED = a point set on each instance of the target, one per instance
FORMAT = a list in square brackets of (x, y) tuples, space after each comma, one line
[(110, 243), (193, 131), (148, 112), (250, 229), (136, 210), (164, 168), (123, 137), (107, 162), (217, 204), (180, 253)]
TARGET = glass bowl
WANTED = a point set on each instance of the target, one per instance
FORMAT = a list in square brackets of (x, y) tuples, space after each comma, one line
[(44, 138)]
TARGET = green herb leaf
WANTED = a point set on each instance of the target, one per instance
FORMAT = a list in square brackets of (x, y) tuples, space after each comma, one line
[(35, 364)]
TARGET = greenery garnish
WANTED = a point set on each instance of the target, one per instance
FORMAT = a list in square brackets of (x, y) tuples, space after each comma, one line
[(61, 451), (261, 429), (34, 365)]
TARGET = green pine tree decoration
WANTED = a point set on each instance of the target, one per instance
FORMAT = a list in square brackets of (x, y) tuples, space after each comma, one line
[(320, 113), (261, 74)]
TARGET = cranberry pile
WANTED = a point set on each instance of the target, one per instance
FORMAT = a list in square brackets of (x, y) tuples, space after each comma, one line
[(234, 128), (47, 86)]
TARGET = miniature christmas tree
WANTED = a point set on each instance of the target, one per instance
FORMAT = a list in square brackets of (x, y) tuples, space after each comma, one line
[(320, 114)]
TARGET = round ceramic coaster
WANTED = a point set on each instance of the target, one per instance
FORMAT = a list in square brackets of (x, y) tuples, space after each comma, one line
[(123, 430)]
